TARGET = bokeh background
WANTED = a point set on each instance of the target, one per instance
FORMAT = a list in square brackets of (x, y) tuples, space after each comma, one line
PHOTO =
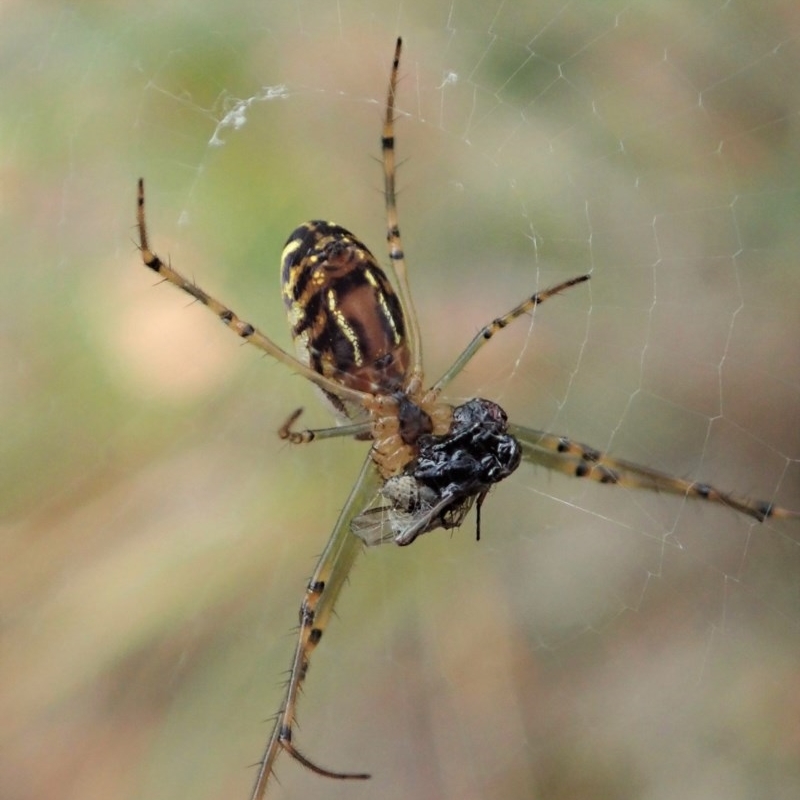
[(156, 535)]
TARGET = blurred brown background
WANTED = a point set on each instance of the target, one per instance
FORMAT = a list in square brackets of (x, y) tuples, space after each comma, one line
[(156, 535)]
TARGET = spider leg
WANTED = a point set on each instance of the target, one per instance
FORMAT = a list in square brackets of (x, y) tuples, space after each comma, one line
[(498, 324), (394, 243), (578, 460), (243, 329), (323, 589), (357, 430)]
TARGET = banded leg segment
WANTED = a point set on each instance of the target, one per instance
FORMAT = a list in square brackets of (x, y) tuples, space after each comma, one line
[(393, 240), (486, 333), (578, 460)]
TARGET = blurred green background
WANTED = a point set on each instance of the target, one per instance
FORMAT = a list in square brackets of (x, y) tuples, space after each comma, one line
[(156, 535)]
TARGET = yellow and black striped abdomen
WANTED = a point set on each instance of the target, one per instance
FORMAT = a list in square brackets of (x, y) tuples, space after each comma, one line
[(346, 320)]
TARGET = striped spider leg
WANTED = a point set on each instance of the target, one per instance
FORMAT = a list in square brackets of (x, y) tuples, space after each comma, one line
[(429, 461), (561, 454)]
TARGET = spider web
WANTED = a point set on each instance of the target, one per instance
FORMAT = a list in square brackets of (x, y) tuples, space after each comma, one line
[(597, 641)]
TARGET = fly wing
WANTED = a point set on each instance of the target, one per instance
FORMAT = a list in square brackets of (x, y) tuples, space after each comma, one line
[(373, 526)]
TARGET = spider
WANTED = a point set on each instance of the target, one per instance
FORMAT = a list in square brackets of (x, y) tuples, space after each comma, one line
[(429, 462)]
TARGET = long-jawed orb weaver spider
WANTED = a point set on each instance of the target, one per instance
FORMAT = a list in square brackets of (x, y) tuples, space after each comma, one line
[(359, 343)]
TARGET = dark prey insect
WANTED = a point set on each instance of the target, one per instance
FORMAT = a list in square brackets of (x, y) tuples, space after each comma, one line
[(429, 462)]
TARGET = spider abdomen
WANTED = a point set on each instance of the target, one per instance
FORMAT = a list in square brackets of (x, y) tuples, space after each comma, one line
[(346, 320)]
